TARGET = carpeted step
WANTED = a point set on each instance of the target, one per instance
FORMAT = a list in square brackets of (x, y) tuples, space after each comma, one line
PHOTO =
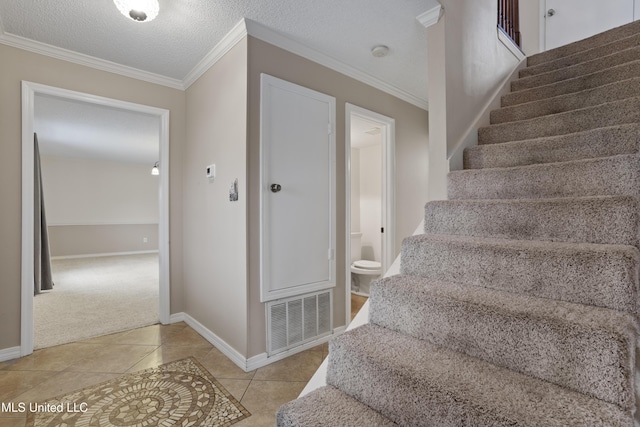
[(601, 39), (584, 273), (602, 219), (609, 114), (328, 406), (589, 55), (573, 101), (499, 327), (606, 176), (600, 142), (413, 382), (576, 84), (578, 70)]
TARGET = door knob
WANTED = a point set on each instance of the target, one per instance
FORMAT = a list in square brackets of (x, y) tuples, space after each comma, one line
[(551, 12), (275, 188)]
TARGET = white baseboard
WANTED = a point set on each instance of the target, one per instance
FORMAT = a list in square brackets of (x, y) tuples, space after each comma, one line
[(10, 353), (104, 254), (243, 363)]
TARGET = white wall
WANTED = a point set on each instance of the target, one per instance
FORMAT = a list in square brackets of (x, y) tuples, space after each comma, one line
[(371, 201), (86, 191)]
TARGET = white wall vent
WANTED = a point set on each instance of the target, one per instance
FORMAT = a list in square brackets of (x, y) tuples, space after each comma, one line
[(294, 321)]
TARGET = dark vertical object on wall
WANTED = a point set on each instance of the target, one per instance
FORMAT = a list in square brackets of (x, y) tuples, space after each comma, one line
[(509, 19), (43, 280)]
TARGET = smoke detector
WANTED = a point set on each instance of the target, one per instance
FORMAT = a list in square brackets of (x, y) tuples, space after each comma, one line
[(380, 51)]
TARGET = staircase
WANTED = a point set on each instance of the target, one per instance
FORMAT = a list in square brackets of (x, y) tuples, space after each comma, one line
[(519, 304)]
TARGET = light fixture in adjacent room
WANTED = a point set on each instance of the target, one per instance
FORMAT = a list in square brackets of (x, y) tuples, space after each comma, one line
[(138, 10), (154, 169), (380, 51)]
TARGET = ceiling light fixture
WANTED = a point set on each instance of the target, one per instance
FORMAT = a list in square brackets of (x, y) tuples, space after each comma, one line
[(380, 51), (155, 170), (138, 10)]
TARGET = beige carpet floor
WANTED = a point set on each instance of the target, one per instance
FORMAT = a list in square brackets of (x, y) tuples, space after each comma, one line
[(181, 393), (96, 296)]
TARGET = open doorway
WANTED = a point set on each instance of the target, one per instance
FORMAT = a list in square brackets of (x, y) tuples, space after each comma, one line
[(370, 219), (101, 161)]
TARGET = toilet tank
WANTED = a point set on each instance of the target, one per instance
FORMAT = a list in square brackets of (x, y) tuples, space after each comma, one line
[(356, 246)]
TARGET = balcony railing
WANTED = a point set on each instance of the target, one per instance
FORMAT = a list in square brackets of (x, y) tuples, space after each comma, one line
[(508, 19)]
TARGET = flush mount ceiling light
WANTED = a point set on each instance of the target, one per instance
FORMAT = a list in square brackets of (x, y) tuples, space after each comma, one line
[(380, 51), (138, 10), (155, 170)]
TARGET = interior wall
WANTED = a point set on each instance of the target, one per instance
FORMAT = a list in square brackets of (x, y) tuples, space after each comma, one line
[(530, 17), (215, 228), (411, 158), (18, 65), (467, 65), (371, 202)]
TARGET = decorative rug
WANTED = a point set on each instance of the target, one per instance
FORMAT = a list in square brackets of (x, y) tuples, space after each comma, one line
[(181, 393)]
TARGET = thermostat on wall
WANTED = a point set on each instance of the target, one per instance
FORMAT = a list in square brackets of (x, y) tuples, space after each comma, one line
[(211, 171)]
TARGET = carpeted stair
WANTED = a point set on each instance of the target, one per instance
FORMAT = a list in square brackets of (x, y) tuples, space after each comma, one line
[(519, 304)]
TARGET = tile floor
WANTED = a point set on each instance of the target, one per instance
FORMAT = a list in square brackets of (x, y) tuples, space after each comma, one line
[(61, 369), (58, 370)]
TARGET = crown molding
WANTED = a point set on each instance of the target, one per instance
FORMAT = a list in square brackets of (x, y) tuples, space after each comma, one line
[(237, 33), (431, 16), (88, 61), (270, 36)]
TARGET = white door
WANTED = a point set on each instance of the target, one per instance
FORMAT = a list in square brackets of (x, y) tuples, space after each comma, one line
[(297, 149), (567, 21)]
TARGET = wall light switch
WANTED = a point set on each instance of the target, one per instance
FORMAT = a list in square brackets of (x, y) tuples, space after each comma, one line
[(211, 171)]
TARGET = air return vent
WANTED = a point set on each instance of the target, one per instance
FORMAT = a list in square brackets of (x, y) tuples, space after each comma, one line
[(294, 321)]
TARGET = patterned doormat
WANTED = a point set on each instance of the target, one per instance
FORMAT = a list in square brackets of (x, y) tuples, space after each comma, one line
[(180, 393)]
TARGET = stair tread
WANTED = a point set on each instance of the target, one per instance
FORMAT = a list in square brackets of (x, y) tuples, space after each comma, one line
[(328, 406), (446, 388), (595, 274), (593, 219), (497, 326), (609, 92), (575, 84), (613, 113), (589, 144)]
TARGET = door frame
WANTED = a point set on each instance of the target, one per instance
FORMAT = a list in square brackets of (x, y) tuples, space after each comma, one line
[(388, 133), (29, 91)]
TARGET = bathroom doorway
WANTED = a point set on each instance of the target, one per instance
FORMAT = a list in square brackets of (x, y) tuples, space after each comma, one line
[(370, 206)]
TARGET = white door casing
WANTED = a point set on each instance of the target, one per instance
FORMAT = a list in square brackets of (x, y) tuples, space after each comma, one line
[(29, 90), (297, 153), (567, 21)]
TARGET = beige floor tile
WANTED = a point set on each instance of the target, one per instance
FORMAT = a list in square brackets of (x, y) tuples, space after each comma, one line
[(237, 388), (113, 358), (150, 335), (12, 422), (185, 337), (105, 339), (220, 366), (299, 367), (263, 398), (166, 354), (63, 383), (14, 383), (56, 358)]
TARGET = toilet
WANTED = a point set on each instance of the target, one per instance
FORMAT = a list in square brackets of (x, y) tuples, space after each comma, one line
[(362, 271)]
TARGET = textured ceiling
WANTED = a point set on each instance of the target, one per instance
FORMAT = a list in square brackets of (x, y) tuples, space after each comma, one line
[(186, 30)]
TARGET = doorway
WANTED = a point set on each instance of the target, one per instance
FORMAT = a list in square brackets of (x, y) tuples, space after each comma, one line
[(370, 160), (30, 92)]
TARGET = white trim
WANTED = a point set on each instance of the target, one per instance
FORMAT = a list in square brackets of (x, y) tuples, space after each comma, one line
[(431, 16), (105, 254), (9, 353), (509, 44), (233, 37), (88, 61), (270, 36), (98, 223), (254, 362), (29, 90), (388, 127)]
